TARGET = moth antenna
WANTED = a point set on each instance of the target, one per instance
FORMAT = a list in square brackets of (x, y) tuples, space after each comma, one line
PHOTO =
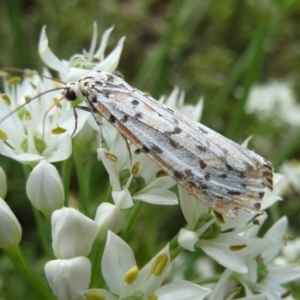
[(22, 105), (29, 72)]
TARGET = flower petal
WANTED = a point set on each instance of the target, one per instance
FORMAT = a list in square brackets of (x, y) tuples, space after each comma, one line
[(47, 55), (73, 234), (44, 188), (110, 63), (182, 290), (68, 277), (224, 256), (117, 259)]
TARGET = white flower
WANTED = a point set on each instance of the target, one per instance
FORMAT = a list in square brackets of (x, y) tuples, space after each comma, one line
[(221, 290), (274, 100), (228, 248), (10, 228), (265, 276), (68, 277), (176, 102), (80, 64), (124, 279), (3, 183), (291, 251), (36, 131), (109, 217), (291, 172), (146, 182), (45, 189), (73, 234)]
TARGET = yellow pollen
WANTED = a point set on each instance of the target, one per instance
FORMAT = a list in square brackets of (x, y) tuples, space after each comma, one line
[(131, 275), (6, 99), (58, 130), (219, 217), (27, 99), (160, 173), (237, 247), (94, 295), (256, 222), (160, 264), (3, 135), (152, 297), (57, 102), (111, 157), (135, 168), (14, 80), (27, 115)]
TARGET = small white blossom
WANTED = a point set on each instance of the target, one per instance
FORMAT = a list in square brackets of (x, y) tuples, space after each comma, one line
[(73, 234), (265, 276), (80, 64), (3, 183), (124, 279), (147, 184), (274, 100), (36, 132), (10, 228), (45, 189), (68, 277), (291, 172), (228, 248), (176, 102), (109, 217)]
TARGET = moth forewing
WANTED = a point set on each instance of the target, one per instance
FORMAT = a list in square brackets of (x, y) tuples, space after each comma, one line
[(220, 173)]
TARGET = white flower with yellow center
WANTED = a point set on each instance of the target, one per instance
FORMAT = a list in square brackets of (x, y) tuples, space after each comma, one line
[(124, 279)]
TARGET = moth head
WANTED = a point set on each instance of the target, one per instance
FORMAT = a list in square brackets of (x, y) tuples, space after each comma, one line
[(71, 91)]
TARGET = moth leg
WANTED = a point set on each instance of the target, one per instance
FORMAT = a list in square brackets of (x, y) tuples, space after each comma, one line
[(76, 121), (76, 116)]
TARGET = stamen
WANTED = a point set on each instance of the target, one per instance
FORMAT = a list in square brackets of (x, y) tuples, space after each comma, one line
[(111, 157), (3, 135), (237, 247), (160, 264), (135, 168), (14, 80), (131, 275), (6, 99), (58, 130)]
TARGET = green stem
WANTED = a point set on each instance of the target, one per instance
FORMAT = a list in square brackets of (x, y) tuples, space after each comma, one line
[(212, 279), (66, 168), (176, 252), (253, 66), (95, 256), (286, 150), (82, 180), (42, 226), (133, 216), (37, 285), (156, 63), (44, 231)]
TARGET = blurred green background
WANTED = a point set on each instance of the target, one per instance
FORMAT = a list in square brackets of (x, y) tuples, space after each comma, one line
[(215, 49)]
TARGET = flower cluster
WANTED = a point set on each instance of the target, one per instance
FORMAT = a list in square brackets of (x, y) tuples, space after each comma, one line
[(91, 260)]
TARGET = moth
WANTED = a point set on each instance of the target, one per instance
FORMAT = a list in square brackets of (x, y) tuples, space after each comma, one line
[(222, 174)]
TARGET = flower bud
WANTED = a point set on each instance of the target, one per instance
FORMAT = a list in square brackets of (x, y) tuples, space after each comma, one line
[(73, 234), (109, 217), (10, 228), (68, 277), (3, 183), (187, 239), (44, 188)]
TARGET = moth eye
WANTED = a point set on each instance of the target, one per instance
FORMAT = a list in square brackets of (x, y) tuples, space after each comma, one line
[(70, 95)]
